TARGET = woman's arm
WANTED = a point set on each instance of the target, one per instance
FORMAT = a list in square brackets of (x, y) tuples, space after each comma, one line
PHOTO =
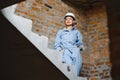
[(79, 42), (57, 44)]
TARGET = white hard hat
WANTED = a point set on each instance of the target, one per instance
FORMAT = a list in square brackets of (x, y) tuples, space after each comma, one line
[(70, 14)]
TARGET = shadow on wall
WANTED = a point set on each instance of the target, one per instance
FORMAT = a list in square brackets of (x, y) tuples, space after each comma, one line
[(114, 34)]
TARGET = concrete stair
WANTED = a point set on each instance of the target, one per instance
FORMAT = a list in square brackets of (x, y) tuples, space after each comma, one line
[(41, 42)]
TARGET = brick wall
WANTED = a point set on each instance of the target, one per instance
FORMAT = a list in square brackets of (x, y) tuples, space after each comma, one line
[(98, 67), (47, 17), (97, 32)]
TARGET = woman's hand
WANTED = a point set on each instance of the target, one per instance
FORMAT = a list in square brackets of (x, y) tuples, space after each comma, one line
[(81, 49)]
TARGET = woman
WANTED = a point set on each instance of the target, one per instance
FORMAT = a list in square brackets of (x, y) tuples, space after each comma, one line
[(69, 41)]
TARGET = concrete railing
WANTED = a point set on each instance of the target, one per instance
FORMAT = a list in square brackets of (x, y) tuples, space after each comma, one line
[(40, 42)]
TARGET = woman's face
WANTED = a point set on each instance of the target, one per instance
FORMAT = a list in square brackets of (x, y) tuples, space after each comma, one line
[(68, 21)]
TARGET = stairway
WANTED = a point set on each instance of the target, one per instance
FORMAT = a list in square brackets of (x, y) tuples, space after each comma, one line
[(40, 42)]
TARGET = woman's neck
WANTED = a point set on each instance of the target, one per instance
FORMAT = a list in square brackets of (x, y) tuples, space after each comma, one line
[(68, 27)]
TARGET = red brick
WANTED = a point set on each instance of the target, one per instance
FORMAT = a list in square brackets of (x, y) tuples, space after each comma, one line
[(109, 63), (94, 78), (35, 9)]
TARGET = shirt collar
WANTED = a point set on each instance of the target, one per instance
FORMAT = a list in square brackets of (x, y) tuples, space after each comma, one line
[(65, 29)]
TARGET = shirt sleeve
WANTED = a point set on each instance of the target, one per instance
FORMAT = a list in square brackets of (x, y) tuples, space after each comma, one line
[(79, 41), (57, 44)]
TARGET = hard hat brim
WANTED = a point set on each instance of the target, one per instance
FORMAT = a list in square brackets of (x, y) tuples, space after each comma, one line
[(69, 16)]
